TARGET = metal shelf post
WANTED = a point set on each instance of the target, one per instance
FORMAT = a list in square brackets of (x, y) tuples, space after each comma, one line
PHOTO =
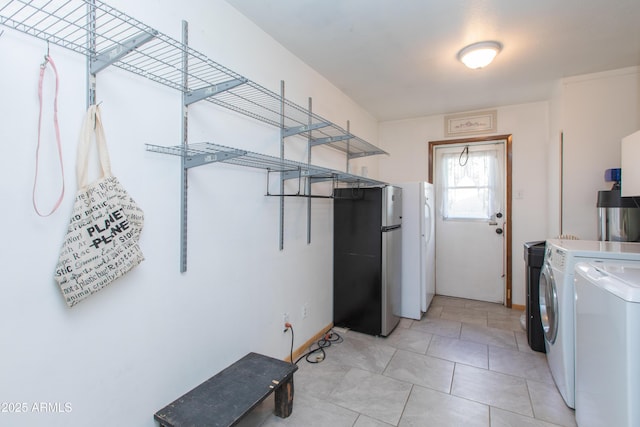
[(282, 175), (91, 48), (184, 179), (308, 187)]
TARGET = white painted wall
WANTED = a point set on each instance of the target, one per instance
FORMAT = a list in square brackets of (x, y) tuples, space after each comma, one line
[(597, 111), (126, 352), (407, 142), (593, 112)]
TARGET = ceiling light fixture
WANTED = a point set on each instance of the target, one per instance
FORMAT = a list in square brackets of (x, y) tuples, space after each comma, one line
[(479, 55)]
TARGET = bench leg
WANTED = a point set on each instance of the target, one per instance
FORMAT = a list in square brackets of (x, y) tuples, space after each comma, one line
[(284, 399)]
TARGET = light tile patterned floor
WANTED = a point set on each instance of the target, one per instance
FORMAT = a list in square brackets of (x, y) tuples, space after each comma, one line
[(466, 363)]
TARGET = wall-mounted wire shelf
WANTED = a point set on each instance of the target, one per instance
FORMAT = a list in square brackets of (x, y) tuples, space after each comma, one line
[(108, 37), (127, 43), (206, 152)]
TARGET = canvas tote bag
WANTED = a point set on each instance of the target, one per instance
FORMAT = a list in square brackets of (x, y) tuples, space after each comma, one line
[(101, 243)]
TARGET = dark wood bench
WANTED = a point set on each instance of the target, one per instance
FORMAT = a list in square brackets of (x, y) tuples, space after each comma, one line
[(224, 399)]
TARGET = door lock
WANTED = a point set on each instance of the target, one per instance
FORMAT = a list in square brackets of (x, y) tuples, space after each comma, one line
[(499, 230)]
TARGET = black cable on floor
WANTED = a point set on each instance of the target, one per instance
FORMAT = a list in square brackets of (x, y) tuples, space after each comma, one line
[(329, 338), (289, 326)]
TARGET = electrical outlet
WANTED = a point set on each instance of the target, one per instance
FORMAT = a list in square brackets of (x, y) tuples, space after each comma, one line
[(305, 310), (285, 318)]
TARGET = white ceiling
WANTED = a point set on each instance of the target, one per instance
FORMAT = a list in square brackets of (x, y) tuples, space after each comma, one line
[(397, 58)]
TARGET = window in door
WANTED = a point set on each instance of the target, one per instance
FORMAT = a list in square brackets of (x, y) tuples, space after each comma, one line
[(470, 181)]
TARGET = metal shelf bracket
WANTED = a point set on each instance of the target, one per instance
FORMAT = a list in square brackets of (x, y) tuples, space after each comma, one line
[(322, 141), (203, 159), (204, 93), (117, 52), (303, 128)]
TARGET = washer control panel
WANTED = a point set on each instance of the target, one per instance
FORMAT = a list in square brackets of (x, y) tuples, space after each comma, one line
[(556, 257)]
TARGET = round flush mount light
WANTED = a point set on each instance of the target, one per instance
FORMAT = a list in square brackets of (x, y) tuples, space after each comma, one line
[(479, 55)]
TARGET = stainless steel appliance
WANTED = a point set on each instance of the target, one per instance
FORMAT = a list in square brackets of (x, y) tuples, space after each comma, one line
[(367, 265), (618, 217)]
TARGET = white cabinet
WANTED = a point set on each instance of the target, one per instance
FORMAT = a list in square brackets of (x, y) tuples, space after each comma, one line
[(630, 151)]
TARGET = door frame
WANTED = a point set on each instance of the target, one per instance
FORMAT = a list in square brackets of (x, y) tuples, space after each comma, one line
[(508, 159)]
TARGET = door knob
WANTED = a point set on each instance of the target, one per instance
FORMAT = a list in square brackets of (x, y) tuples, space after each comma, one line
[(499, 230)]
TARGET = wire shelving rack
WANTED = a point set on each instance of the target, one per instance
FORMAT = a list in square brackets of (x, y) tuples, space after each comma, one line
[(110, 37), (107, 36), (207, 152)]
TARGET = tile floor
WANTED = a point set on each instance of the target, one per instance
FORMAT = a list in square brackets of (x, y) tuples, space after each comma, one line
[(466, 363)]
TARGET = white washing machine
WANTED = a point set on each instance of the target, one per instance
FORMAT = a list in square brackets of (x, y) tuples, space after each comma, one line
[(607, 344), (557, 300)]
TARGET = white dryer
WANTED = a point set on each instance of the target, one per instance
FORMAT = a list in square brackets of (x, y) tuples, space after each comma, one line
[(607, 344), (557, 300)]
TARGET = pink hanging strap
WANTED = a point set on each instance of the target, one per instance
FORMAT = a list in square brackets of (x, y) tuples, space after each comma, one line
[(48, 60)]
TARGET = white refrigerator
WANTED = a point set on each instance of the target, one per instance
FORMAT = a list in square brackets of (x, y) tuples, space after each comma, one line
[(418, 249)]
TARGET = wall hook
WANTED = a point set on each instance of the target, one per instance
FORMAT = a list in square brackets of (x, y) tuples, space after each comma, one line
[(94, 115), (46, 57), (465, 150)]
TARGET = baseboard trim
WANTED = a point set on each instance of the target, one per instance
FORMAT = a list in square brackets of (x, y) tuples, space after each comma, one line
[(303, 348), (518, 307)]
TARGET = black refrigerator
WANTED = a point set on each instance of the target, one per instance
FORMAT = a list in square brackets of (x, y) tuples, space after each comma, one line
[(367, 262)]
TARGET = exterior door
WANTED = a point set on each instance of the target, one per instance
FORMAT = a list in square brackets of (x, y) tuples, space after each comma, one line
[(470, 220)]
